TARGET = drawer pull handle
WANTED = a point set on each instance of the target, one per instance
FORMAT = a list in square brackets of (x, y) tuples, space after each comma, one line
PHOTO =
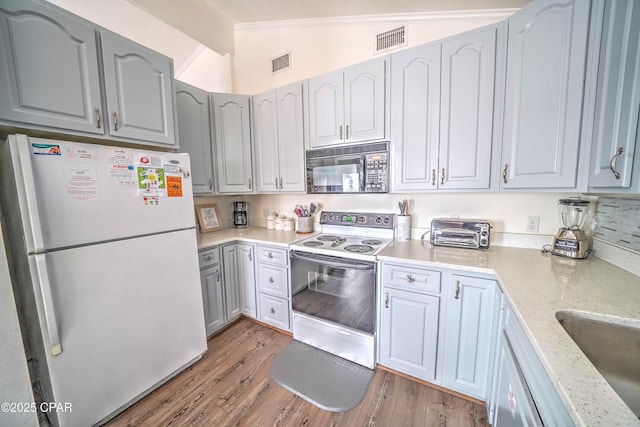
[(270, 279), (457, 296), (208, 257), (269, 255), (273, 310), (386, 300), (410, 278), (612, 164)]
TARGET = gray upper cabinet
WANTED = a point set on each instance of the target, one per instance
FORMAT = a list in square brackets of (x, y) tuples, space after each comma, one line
[(49, 72), (232, 126), (139, 90), (349, 106), (51, 78), (279, 140), (617, 102), (194, 132), (546, 58), (415, 117), (442, 113)]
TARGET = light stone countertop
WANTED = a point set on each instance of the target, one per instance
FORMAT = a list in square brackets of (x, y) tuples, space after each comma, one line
[(251, 234), (537, 286)]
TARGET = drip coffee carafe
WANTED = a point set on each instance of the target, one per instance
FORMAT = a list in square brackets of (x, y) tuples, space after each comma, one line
[(571, 241)]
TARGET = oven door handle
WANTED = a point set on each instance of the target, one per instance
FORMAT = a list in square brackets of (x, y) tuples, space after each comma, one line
[(332, 261)]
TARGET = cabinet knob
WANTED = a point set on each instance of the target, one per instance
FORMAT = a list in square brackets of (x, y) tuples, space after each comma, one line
[(269, 255), (208, 257), (273, 310), (410, 278), (270, 279), (612, 163)]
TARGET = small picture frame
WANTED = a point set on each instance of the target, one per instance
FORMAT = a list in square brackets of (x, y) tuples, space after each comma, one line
[(208, 217)]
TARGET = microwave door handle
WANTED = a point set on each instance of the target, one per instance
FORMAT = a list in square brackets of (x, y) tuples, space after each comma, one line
[(362, 174)]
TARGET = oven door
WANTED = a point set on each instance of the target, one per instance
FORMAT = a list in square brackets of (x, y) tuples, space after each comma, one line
[(336, 174), (338, 290)]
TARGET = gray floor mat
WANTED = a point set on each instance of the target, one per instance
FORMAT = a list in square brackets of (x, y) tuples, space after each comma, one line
[(329, 382)]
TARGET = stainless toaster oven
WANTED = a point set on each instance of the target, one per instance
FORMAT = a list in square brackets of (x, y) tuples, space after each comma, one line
[(460, 233)]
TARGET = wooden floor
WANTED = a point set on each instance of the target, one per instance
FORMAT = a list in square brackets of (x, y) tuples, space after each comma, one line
[(232, 386)]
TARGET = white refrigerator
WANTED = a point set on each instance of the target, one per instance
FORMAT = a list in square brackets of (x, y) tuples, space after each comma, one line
[(103, 253)]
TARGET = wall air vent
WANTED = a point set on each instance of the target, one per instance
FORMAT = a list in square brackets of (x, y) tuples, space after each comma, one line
[(390, 39), (282, 62)]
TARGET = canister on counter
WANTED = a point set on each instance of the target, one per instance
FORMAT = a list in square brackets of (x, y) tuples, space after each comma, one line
[(278, 223), (288, 224), (271, 221)]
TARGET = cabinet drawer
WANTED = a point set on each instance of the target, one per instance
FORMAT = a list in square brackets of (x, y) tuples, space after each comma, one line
[(274, 311), (273, 280), (278, 256), (208, 257), (411, 278)]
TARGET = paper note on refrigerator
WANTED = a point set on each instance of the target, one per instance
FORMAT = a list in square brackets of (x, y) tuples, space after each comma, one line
[(82, 183)]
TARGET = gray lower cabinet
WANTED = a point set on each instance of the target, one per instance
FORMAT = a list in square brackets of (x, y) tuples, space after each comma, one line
[(239, 274), (546, 57), (51, 74), (232, 133), (274, 302), (212, 289), (194, 133), (469, 334), (614, 131), (438, 325), (410, 320)]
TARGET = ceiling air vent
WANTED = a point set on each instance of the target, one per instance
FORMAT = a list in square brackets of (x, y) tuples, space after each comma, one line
[(390, 39), (282, 62)]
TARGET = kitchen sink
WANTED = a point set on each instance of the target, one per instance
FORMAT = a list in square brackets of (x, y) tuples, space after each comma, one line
[(613, 348)]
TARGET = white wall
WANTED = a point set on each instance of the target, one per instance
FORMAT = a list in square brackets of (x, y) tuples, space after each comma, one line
[(320, 46), (207, 69)]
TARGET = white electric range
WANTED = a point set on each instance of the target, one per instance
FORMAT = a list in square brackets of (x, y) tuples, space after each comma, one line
[(333, 284)]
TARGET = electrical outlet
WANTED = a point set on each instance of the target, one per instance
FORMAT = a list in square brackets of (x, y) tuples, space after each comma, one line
[(533, 224)]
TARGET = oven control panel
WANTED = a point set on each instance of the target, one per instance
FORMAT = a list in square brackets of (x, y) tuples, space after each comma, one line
[(370, 220)]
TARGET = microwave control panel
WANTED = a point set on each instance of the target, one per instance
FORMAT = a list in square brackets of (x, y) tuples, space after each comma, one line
[(376, 172)]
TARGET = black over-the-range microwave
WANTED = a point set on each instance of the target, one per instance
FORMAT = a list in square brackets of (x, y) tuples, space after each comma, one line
[(360, 168)]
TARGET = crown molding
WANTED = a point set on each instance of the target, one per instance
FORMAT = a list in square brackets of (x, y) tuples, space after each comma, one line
[(440, 17), (187, 63)]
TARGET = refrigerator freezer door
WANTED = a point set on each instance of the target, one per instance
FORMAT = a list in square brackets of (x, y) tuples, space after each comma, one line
[(129, 314), (74, 194)]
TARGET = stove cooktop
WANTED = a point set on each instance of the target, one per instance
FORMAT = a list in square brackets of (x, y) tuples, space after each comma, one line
[(341, 245)]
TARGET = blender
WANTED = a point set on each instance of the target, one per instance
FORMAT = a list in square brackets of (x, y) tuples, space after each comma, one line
[(571, 241)]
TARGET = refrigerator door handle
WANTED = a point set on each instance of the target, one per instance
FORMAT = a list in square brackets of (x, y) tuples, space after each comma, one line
[(47, 300), (27, 187)]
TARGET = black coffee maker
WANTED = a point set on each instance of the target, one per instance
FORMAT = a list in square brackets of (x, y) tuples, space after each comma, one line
[(240, 214)]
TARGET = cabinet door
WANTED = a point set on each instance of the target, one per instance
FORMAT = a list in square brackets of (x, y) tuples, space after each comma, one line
[(409, 332), (546, 58), (291, 138), (364, 100), (231, 281), (49, 71), (247, 279), (139, 89), (615, 124), (265, 126), (232, 142), (415, 117), (212, 299), (466, 111), (326, 110), (468, 335), (194, 130)]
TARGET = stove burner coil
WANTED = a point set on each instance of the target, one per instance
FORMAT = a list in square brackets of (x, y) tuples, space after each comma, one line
[(371, 242), (327, 238), (358, 248), (313, 243)]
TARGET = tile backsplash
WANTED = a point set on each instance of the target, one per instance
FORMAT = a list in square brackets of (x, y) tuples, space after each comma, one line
[(618, 221)]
